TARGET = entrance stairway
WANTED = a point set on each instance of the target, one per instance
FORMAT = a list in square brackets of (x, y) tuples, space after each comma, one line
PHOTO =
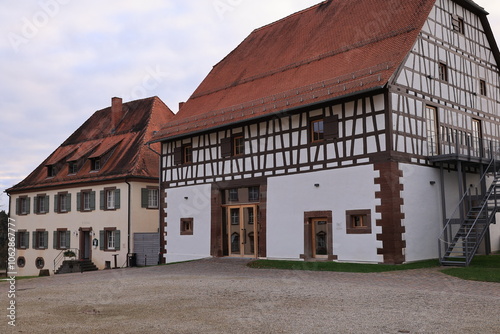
[(76, 266), (461, 237)]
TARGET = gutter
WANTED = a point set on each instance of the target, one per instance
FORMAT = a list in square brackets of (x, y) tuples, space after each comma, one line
[(128, 219)]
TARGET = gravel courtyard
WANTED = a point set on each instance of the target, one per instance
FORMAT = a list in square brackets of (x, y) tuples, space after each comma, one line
[(225, 296)]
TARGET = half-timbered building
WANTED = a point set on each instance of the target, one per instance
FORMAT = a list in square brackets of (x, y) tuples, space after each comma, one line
[(348, 131), (93, 202)]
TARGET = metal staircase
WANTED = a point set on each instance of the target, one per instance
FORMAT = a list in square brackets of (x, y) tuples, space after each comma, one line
[(461, 236)]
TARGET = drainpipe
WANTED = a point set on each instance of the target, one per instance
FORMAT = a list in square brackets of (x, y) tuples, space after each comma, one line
[(128, 219), (161, 232)]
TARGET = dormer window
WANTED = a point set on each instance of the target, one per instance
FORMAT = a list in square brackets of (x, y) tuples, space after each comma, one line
[(72, 167), (95, 164), (51, 172)]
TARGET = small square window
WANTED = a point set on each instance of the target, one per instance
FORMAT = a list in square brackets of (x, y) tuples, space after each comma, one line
[(187, 226), (188, 154), (72, 167), (358, 222), (95, 164), (51, 171), (443, 72), (457, 23), (253, 194), (233, 195), (238, 145), (317, 130)]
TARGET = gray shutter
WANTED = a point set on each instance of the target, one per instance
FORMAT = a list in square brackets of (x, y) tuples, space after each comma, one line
[(16, 234), (226, 148), (178, 156), (56, 204), (68, 202), (117, 198), (33, 235), (46, 239), (117, 240), (101, 240), (35, 208), (54, 242), (47, 202), (144, 197), (27, 239), (92, 200), (79, 201), (101, 199), (68, 239), (331, 127), (28, 205), (18, 208)]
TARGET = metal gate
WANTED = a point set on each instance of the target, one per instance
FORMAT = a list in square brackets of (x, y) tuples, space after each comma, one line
[(147, 248)]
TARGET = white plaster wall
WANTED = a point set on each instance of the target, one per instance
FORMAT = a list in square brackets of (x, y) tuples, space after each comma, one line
[(422, 209), (339, 190), (188, 202)]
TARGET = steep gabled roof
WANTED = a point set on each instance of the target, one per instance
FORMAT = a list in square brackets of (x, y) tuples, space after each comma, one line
[(333, 49), (119, 141)]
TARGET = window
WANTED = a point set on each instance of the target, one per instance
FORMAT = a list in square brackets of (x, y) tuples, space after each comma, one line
[(72, 167), (21, 262), (40, 262), (187, 226), (109, 239), (22, 239), (233, 195), (110, 199), (62, 238), (443, 72), (482, 87), (41, 204), (233, 146), (235, 216), (95, 164), (150, 198), (62, 202), (85, 200), (253, 194), (432, 130), (51, 171), (238, 145), (358, 222), (188, 154), (457, 24), (40, 239), (317, 130), (22, 205), (183, 155)]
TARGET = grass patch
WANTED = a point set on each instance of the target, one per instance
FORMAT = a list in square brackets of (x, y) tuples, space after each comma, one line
[(2, 279), (484, 268), (340, 267)]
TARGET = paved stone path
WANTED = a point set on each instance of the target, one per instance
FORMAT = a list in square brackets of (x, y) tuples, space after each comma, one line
[(225, 296)]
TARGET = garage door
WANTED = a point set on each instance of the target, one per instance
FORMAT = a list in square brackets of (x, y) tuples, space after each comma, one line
[(147, 248)]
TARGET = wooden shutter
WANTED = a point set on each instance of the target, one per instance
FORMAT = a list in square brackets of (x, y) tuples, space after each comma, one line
[(101, 240), (117, 239), (46, 200), (144, 197), (68, 239), (18, 207), (56, 204), (92, 200), (68, 202), (178, 156), (35, 205), (102, 199), (26, 237), (331, 127), (79, 201), (33, 235), (54, 242), (117, 198), (28, 205), (46, 239), (18, 242), (226, 147)]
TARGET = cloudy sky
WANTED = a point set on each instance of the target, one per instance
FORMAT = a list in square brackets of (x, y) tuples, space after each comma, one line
[(61, 60)]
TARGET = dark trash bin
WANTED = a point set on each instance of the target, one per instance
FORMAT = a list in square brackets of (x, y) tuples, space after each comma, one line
[(132, 260)]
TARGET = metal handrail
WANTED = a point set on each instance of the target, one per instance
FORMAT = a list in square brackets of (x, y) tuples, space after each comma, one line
[(60, 256)]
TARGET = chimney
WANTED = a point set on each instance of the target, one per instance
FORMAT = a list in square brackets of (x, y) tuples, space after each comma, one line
[(116, 111)]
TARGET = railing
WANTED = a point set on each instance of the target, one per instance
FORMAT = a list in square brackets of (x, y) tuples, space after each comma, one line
[(463, 144), (449, 236), (60, 257)]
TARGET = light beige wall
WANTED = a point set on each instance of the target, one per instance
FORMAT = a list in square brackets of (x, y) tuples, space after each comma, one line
[(142, 220)]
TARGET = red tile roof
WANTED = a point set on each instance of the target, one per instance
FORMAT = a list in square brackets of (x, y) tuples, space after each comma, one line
[(335, 48), (122, 146)]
